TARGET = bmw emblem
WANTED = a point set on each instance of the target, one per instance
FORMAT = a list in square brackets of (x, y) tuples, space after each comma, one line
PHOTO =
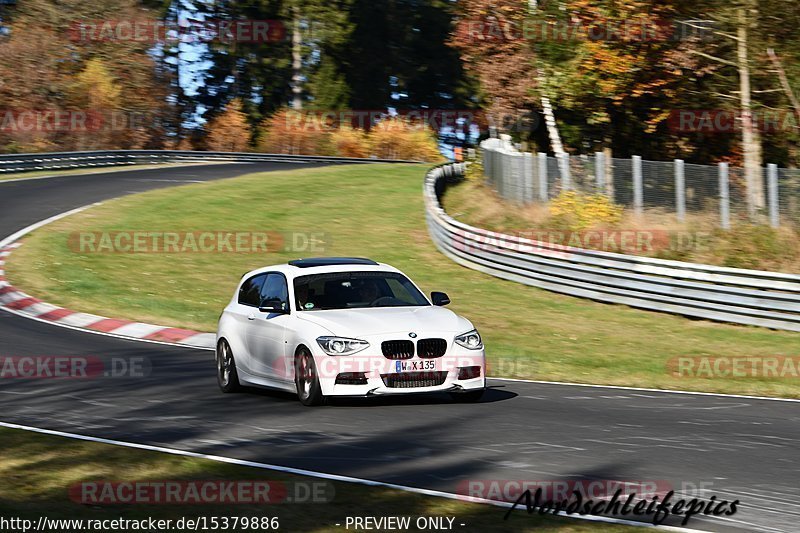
[(412, 335)]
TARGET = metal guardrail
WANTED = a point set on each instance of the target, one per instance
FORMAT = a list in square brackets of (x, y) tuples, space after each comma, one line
[(106, 158), (751, 297)]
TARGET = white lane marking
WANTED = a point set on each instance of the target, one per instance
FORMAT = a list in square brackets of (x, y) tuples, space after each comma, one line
[(166, 181), (24, 231), (111, 169), (642, 389), (323, 475)]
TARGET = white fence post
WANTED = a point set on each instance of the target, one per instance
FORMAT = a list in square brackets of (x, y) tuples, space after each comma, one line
[(724, 197), (566, 177), (772, 188), (680, 190), (527, 191), (638, 195), (516, 189), (542, 160), (506, 172), (600, 172)]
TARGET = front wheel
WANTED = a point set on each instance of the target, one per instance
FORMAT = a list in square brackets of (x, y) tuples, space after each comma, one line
[(467, 397), (227, 377), (306, 379)]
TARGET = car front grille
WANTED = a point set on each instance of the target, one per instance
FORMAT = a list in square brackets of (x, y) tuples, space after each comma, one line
[(430, 348), (397, 349), (410, 380)]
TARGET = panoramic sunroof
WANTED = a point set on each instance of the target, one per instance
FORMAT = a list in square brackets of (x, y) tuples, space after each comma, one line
[(328, 261)]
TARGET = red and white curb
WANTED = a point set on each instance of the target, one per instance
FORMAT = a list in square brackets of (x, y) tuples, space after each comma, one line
[(20, 303)]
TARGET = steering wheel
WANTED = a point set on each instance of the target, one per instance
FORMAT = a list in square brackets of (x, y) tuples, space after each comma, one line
[(383, 300)]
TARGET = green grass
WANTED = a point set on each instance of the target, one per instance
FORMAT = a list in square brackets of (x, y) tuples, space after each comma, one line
[(37, 472), (374, 211)]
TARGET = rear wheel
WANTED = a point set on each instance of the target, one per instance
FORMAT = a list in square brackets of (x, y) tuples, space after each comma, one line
[(227, 377), (306, 379), (467, 397)]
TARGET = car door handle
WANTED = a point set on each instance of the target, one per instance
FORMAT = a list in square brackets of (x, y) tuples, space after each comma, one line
[(251, 316)]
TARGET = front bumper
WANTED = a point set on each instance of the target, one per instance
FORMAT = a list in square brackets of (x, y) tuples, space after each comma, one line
[(381, 373)]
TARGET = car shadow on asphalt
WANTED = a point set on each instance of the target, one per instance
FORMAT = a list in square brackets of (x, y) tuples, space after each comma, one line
[(493, 394)]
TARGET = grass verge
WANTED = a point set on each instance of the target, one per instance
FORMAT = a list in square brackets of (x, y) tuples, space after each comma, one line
[(374, 211), (38, 471)]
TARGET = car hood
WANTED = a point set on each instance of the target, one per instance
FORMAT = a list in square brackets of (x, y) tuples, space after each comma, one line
[(381, 320)]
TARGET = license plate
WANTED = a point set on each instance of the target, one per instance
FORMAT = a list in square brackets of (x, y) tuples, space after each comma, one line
[(414, 366)]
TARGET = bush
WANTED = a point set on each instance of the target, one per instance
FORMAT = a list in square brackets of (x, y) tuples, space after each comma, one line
[(229, 131), (474, 170), (291, 132), (350, 142), (396, 138), (754, 246), (576, 211)]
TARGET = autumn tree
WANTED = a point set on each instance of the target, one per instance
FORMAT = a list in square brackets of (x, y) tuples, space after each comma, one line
[(229, 131), (51, 57)]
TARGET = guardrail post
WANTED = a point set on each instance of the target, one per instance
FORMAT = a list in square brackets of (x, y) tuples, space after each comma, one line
[(724, 197), (680, 191), (527, 191), (772, 188), (600, 172), (541, 158), (638, 195)]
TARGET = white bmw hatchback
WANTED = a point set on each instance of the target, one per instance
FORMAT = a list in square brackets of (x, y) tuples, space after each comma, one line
[(339, 326)]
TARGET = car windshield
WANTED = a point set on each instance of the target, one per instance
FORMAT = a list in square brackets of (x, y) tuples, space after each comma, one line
[(353, 290)]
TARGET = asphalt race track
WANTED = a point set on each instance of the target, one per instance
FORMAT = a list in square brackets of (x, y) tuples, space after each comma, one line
[(733, 448)]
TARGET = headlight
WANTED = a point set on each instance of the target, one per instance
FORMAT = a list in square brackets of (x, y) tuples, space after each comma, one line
[(341, 345), (470, 340)]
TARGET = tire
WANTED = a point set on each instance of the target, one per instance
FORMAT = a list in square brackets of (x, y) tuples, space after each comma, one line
[(472, 396), (306, 379), (227, 377)]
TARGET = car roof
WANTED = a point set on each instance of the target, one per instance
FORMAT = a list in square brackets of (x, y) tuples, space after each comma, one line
[(318, 266)]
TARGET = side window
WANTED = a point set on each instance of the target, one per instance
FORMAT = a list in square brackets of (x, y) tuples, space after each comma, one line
[(250, 290), (275, 289)]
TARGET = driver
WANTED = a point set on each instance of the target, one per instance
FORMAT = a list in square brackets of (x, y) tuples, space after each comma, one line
[(368, 291)]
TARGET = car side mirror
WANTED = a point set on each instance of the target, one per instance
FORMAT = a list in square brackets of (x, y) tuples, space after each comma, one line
[(439, 298), (273, 305)]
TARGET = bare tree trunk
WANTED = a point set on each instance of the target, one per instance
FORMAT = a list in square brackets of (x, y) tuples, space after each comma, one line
[(751, 140), (297, 61), (552, 127), (787, 89)]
